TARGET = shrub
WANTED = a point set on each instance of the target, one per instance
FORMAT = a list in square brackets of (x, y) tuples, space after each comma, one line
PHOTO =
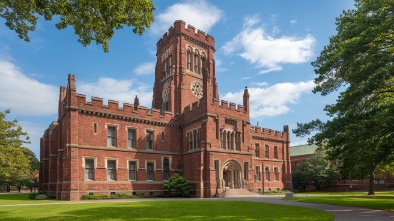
[(41, 197), (103, 196), (177, 186), (33, 196)]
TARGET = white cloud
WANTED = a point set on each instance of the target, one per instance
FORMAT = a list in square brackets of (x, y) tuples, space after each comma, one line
[(266, 51), (273, 100), (25, 95), (261, 84), (123, 91), (293, 21), (146, 68), (200, 14)]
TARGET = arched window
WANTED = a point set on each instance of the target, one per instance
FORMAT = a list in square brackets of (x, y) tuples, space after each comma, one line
[(169, 65), (164, 69), (196, 63), (189, 60)]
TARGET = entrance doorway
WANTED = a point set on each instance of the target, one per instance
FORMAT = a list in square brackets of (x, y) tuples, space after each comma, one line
[(232, 174)]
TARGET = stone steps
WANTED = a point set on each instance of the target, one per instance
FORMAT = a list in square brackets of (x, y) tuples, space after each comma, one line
[(240, 193)]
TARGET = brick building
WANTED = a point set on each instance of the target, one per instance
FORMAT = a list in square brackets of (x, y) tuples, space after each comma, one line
[(102, 149)]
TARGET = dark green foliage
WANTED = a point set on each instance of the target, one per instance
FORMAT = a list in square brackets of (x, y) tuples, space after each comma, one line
[(359, 58), (18, 165), (92, 20), (177, 186), (313, 172), (33, 196), (103, 196)]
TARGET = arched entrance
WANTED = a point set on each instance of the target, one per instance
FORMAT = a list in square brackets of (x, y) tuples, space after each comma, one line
[(232, 174)]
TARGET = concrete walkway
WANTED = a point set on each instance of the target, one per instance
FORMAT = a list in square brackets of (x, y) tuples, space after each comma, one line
[(341, 213)]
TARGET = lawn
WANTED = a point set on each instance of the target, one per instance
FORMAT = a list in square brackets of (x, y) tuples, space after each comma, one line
[(381, 200), (157, 210)]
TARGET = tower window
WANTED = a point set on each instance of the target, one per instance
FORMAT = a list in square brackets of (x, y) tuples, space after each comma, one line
[(189, 60), (195, 62)]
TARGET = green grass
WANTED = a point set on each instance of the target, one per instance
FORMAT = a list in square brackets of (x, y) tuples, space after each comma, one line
[(158, 210), (22, 198), (381, 200)]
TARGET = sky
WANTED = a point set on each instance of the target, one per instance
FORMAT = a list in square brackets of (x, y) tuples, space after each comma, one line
[(266, 45)]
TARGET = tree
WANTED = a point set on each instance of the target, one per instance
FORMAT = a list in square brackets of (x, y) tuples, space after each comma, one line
[(359, 57), (314, 171), (91, 19), (177, 185), (16, 162)]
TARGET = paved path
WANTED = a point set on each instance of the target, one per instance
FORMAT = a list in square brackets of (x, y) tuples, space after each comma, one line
[(341, 213)]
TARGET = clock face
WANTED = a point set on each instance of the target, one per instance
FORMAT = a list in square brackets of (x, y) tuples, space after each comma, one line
[(166, 91), (197, 88)]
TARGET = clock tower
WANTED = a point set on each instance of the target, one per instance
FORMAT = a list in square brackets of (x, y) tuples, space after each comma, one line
[(184, 69)]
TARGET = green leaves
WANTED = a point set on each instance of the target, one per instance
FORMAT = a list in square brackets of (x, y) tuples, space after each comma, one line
[(17, 163), (360, 58), (177, 186), (93, 20)]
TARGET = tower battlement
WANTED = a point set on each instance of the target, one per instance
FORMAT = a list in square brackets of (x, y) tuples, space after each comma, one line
[(112, 108), (179, 28), (266, 132)]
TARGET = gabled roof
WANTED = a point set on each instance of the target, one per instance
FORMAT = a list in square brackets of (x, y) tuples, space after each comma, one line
[(302, 150)]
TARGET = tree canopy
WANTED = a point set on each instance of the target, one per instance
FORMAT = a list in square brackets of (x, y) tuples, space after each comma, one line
[(314, 171), (18, 165), (359, 58), (92, 19)]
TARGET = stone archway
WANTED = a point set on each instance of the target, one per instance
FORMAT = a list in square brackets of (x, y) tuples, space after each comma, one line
[(232, 174)]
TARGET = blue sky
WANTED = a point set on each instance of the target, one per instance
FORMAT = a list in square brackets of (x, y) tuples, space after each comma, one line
[(265, 45)]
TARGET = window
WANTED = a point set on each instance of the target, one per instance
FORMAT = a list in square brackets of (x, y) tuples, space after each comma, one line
[(131, 138), (257, 177), (195, 62), (237, 141), (111, 136), (189, 60), (267, 173), (257, 150), (132, 170), (297, 164), (95, 128), (228, 140), (221, 139), (276, 152), (162, 135), (111, 167), (246, 175), (149, 171), (276, 174), (266, 151), (202, 65), (89, 169), (149, 140), (217, 171), (166, 169), (190, 137), (170, 65), (164, 69), (196, 139)]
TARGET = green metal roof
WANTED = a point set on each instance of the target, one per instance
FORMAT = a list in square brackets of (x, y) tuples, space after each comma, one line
[(302, 150)]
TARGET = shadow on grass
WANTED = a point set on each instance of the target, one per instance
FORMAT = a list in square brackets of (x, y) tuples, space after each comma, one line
[(180, 210)]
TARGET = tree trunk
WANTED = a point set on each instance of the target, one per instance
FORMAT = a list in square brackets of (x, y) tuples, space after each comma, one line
[(371, 191)]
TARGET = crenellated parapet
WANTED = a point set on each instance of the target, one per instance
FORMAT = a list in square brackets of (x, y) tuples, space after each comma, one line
[(128, 112), (192, 107), (228, 105), (179, 28), (260, 133)]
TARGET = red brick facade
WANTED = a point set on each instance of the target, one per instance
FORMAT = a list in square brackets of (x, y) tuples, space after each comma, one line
[(97, 148)]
